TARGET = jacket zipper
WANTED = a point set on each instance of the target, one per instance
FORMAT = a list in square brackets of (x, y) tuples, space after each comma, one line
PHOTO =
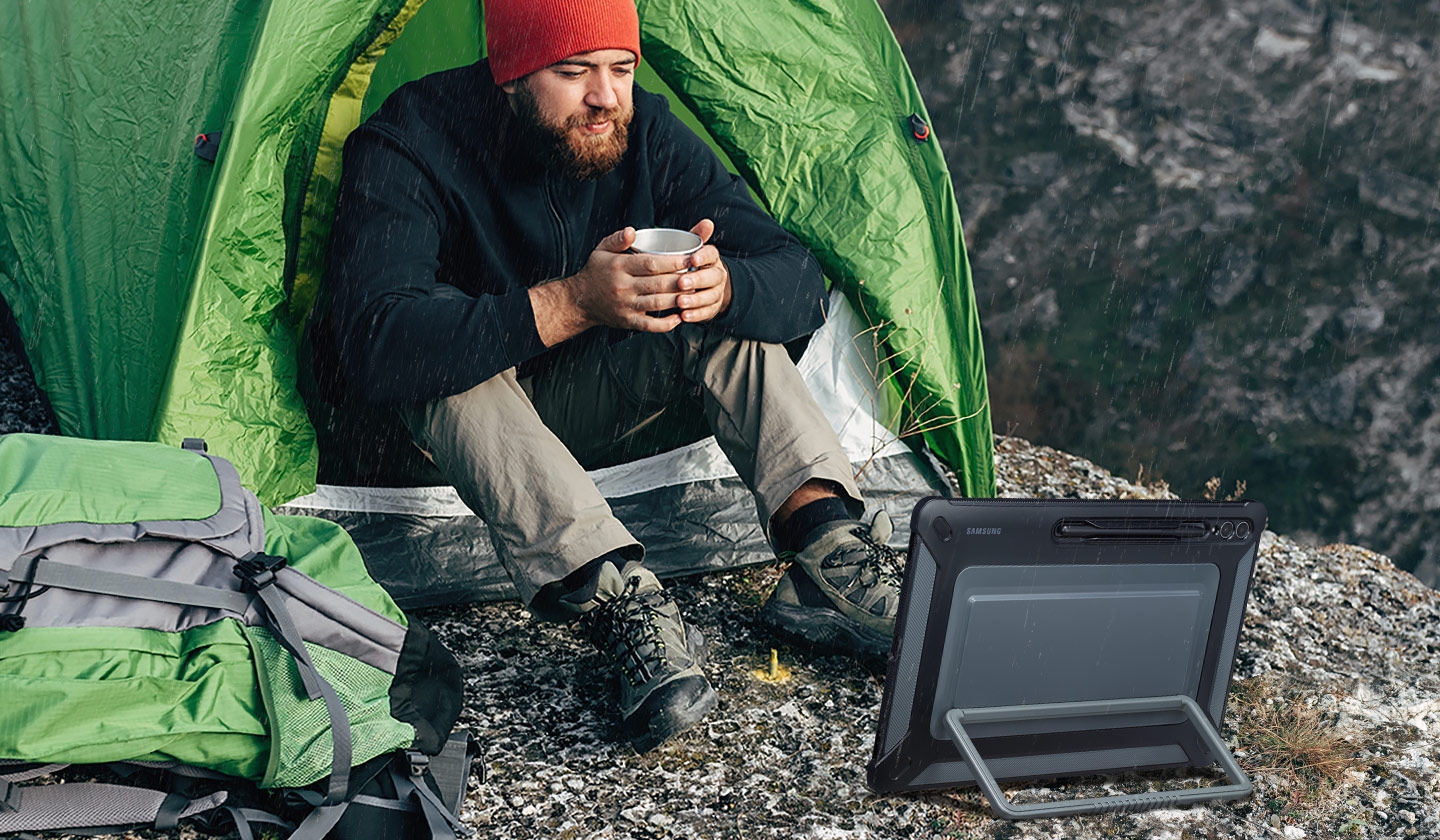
[(559, 227)]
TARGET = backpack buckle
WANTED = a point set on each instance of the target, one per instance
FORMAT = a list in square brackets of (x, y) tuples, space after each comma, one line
[(9, 797), (257, 571), (419, 763)]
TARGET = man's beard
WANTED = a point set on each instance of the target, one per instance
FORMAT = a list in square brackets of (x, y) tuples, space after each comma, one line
[(562, 147)]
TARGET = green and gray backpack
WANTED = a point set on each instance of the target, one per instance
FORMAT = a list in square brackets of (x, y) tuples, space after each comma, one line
[(153, 612)]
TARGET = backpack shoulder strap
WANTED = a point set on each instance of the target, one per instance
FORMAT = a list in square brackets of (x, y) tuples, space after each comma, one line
[(94, 806), (97, 805)]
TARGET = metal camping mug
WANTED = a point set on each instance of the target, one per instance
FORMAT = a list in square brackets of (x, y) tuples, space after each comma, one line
[(666, 242)]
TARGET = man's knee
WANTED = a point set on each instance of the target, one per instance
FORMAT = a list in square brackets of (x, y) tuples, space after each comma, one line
[(497, 408)]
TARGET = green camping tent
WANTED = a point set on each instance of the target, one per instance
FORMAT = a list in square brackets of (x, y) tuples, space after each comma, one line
[(161, 296)]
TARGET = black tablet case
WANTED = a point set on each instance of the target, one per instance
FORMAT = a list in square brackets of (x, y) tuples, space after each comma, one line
[(1017, 602)]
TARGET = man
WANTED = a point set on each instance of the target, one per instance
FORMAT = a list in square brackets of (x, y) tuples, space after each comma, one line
[(480, 279)]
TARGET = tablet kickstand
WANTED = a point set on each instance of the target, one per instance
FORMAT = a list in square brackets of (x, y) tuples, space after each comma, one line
[(956, 719)]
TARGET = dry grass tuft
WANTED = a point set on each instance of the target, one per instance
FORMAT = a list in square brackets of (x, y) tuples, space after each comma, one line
[(1212, 490), (1155, 488), (1294, 741), (753, 585)]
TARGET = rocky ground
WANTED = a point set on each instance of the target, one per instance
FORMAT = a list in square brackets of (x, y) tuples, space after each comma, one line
[(21, 407), (1134, 176), (1206, 239), (1335, 711)]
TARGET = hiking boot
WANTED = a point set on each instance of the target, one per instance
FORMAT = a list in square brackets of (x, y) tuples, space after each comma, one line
[(843, 590), (637, 626)]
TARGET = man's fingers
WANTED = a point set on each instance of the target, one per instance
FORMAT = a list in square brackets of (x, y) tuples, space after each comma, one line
[(654, 265), (655, 285), (653, 324), (704, 278), (704, 257), (704, 229), (657, 303), (699, 300), (618, 242), (701, 315)]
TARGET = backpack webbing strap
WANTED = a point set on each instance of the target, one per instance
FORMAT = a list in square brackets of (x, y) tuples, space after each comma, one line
[(443, 824), (170, 811), (244, 817), (96, 805), (406, 773), (41, 571), (319, 822), (257, 575), (451, 769)]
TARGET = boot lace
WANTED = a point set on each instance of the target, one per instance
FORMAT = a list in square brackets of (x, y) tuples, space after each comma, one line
[(873, 563), (627, 629)]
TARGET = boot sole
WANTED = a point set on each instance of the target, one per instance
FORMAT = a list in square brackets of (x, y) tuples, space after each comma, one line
[(659, 717), (646, 731), (825, 630)]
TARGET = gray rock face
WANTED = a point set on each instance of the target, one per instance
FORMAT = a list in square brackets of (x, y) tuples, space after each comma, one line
[(1237, 206), (1231, 276), (1033, 170), (1400, 194)]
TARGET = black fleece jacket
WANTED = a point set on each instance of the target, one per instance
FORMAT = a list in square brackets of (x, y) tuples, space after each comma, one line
[(444, 221)]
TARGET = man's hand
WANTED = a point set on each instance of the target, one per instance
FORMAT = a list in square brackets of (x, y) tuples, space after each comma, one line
[(704, 292), (614, 289), (628, 291)]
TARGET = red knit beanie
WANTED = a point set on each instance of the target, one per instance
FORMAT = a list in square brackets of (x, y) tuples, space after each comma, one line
[(523, 36)]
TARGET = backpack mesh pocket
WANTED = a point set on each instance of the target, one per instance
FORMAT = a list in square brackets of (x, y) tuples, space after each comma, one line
[(301, 748)]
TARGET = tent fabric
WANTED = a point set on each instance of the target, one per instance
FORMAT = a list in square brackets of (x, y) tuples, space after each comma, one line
[(876, 227), (340, 118), (151, 286), (101, 198), (232, 377)]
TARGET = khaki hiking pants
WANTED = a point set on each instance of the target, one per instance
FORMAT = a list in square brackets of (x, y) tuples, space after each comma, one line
[(517, 450)]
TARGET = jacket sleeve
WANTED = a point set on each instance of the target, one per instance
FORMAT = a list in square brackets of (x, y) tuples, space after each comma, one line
[(399, 334), (778, 289)]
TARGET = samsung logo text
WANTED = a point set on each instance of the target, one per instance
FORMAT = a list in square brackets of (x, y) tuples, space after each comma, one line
[(984, 532)]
